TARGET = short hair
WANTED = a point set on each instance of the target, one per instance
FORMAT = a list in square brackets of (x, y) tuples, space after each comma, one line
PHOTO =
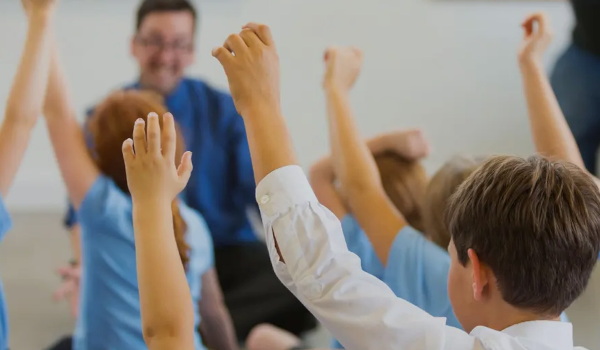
[(535, 223), (441, 187), (151, 6)]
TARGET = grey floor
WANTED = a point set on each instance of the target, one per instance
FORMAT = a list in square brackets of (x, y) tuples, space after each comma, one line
[(38, 245)]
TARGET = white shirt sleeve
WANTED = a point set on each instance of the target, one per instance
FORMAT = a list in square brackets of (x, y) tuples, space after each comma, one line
[(357, 308)]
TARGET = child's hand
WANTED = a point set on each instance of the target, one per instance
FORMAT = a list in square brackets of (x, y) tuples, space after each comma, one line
[(151, 171), (410, 144), (342, 66), (251, 64), (43, 7), (537, 37)]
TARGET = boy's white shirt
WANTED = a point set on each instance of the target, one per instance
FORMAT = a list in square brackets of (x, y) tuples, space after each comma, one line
[(357, 308)]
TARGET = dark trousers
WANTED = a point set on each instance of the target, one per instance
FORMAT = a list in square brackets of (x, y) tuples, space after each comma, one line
[(254, 294), (576, 83)]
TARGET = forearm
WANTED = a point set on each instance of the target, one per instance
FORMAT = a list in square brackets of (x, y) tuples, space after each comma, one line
[(353, 162), (551, 133), (76, 165), (165, 297), (217, 328), (269, 141), (26, 96), (25, 99)]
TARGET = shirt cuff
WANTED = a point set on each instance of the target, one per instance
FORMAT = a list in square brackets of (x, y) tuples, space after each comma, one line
[(282, 189)]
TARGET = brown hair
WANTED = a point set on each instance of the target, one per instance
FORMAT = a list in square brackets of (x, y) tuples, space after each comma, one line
[(441, 186), (151, 6), (404, 182), (535, 223), (112, 123)]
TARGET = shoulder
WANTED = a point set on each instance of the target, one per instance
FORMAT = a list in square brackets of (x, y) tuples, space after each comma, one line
[(217, 98), (104, 199), (198, 233)]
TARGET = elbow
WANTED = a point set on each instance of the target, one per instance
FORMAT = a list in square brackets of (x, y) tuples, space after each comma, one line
[(164, 330), (160, 334)]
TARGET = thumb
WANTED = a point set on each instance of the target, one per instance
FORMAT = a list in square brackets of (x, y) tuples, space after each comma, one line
[(184, 171)]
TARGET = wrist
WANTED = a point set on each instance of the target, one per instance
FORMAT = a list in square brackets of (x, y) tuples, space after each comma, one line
[(529, 61), (332, 89), (151, 202), (39, 16), (379, 144)]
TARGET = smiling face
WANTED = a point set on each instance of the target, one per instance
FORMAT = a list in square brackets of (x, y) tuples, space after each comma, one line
[(164, 47)]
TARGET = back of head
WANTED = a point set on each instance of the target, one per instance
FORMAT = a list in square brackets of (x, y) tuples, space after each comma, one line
[(535, 223), (441, 186), (111, 124), (404, 182), (151, 6)]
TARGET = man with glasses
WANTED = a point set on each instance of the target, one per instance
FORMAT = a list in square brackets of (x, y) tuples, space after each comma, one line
[(222, 185)]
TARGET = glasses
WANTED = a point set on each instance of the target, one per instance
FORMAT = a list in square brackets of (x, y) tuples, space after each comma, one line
[(158, 45)]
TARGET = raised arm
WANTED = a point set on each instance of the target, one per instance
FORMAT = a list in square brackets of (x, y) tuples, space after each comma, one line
[(551, 133), (358, 308), (154, 181), (409, 144), (257, 98), (26, 96), (353, 162), (75, 162)]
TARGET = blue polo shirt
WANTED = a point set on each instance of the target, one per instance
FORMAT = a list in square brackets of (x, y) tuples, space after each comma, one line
[(222, 184), (109, 316), (5, 225)]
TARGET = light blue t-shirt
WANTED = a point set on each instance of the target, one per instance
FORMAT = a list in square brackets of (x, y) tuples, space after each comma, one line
[(358, 243), (5, 225), (109, 308)]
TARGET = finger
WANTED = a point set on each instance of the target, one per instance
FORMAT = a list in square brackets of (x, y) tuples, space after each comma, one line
[(235, 44), (184, 171), (223, 55), (139, 137), (169, 138), (250, 38), (128, 153), (262, 31), (543, 23), (153, 134)]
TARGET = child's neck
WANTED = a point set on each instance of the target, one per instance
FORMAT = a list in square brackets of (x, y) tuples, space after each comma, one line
[(505, 315)]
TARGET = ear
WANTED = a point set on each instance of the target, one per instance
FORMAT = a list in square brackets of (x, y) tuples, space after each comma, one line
[(481, 277)]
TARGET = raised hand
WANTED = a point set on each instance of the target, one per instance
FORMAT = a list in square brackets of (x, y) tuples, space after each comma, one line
[(410, 144), (150, 161), (43, 7), (251, 64), (537, 37), (342, 66)]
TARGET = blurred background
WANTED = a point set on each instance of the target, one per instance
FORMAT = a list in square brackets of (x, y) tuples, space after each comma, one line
[(448, 67)]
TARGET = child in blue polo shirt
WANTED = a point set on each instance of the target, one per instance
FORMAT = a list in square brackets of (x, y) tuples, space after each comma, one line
[(23, 108), (109, 310)]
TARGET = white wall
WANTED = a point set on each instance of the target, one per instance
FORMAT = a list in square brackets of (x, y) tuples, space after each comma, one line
[(446, 66)]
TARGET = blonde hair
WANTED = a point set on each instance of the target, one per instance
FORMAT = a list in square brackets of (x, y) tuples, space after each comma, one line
[(404, 182), (441, 187)]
